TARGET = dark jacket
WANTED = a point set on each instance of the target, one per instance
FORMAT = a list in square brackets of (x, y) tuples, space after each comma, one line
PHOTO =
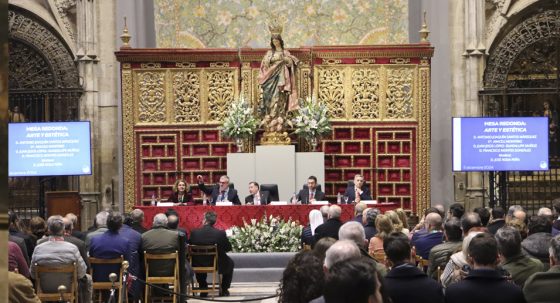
[(495, 225), (543, 286), (307, 236), (484, 286), (440, 254), (328, 229), (265, 199), (214, 192), (351, 193), (536, 245), (522, 267), (425, 243), (406, 283), (208, 235), (370, 231), (187, 198), (303, 196), (138, 227)]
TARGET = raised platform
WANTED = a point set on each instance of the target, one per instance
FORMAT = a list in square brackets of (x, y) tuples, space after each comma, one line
[(259, 267)]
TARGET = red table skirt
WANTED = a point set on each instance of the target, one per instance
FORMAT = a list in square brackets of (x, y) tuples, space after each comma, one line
[(228, 216)]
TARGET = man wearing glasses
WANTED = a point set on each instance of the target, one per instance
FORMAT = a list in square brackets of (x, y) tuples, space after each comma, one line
[(220, 192)]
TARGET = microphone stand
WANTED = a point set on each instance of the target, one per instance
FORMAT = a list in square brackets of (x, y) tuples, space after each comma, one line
[(113, 279), (61, 290), (124, 289)]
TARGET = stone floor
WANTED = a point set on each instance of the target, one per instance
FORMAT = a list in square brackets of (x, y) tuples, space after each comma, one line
[(239, 291)]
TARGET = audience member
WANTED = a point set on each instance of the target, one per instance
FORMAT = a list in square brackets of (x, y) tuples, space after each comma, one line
[(308, 232), (101, 223), (321, 247), (311, 193), (137, 216), (369, 222), (209, 235), (403, 217), (519, 225), (38, 228), (556, 216), (256, 196), (433, 237), (358, 209), (173, 224), (405, 282), (483, 283), (397, 223), (420, 228), (498, 220), (471, 222), (331, 226), (453, 271), (440, 209), (354, 231), (456, 210), (325, 212), (109, 245), (353, 281), (20, 289), (484, 215), (440, 254), (543, 286), (520, 215), (341, 250), (67, 235), (537, 243), (21, 244), (16, 230), (16, 261), (358, 191), (220, 192), (135, 247), (75, 232), (545, 212), (56, 252), (384, 227), (519, 266), (302, 280), (511, 210)]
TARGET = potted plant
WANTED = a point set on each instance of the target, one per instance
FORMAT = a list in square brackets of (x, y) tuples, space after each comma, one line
[(312, 121), (240, 123)]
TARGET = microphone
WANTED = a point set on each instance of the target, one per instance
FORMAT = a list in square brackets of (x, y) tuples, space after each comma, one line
[(61, 290), (113, 277)]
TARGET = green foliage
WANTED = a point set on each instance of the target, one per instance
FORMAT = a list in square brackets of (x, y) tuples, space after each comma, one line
[(240, 122), (270, 234)]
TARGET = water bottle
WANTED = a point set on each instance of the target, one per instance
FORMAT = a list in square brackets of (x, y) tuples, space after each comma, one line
[(338, 198), (204, 200), (153, 200), (294, 198)]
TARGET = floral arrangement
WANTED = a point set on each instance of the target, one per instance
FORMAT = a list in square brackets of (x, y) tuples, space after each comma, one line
[(240, 122), (271, 234), (312, 119)]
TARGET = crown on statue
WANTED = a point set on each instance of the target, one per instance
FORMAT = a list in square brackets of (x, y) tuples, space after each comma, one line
[(275, 27)]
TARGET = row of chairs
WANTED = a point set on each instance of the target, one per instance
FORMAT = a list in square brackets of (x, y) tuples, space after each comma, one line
[(70, 292), (421, 263)]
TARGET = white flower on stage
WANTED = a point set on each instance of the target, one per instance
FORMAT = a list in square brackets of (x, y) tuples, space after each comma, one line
[(263, 236)]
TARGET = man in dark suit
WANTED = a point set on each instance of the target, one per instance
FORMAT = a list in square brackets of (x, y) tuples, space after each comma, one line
[(331, 226), (433, 237), (76, 233), (483, 283), (359, 191), (208, 235), (220, 192), (498, 220), (311, 193), (256, 197), (405, 282)]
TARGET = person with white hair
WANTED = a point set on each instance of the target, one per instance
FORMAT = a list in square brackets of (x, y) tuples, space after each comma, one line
[(101, 223), (354, 231), (341, 250), (160, 240), (331, 226), (453, 271), (308, 232), (544, 212)]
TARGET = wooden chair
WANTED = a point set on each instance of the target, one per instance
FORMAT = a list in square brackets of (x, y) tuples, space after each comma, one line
[(422, 263), (379, 256), (306, 247), (65, 272), (170, 280), (208, 251), (107, 285)]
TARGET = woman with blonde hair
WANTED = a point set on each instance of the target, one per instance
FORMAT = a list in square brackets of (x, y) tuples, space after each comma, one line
[(182, 194), (384, 227), (402, 215), (397, 223)]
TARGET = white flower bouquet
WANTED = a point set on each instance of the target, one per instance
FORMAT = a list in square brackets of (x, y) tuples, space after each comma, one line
[(271, 234), (240, 122), (312, 119)]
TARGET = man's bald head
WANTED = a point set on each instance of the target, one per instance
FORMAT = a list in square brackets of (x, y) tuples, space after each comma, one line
[(519, 214), (433, 221)]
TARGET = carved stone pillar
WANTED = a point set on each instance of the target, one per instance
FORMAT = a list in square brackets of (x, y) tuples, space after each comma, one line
[(90, 207)]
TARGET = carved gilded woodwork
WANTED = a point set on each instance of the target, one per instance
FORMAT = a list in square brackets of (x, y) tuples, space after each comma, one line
[(221, 93), (129, 151), (330, 90), (365, 88), (400, 86), (423, 140), (186, 96), (151, 97)]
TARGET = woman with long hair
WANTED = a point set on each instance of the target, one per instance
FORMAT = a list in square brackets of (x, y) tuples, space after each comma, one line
[(303, 279), (384, 227), (397, 223), (182, 194)]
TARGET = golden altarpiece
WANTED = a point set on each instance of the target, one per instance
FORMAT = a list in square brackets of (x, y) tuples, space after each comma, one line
[(378, 96)]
